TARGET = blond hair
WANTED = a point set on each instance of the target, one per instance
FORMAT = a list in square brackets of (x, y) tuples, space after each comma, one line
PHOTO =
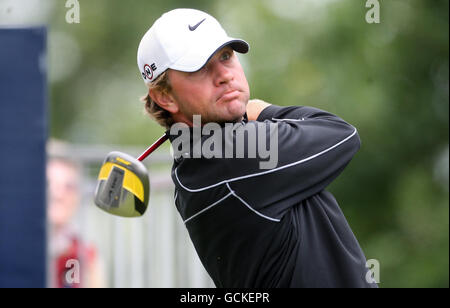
[(160, 115)]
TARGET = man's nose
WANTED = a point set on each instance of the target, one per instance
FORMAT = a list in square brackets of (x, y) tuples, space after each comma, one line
[(223, 74)]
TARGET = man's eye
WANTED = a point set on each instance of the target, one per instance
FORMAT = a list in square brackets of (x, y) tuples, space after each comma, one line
[(226, 55)]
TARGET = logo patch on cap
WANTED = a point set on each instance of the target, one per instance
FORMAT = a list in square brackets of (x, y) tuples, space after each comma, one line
[(148, 71)]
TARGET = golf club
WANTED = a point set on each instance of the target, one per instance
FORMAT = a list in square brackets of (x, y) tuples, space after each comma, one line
[(123, 186)]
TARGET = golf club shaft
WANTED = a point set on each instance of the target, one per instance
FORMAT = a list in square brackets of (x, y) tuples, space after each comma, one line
[(153, 147)]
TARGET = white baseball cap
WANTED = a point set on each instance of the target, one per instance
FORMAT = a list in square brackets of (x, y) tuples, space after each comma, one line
[(183, 40)]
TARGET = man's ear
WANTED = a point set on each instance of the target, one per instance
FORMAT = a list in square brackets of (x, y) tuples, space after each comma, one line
[(164, 100)]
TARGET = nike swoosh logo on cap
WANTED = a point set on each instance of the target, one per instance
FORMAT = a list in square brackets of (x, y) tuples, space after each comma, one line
[(192, 28)]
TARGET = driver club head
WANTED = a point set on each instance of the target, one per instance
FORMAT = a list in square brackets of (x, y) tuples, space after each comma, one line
[(123, 186)]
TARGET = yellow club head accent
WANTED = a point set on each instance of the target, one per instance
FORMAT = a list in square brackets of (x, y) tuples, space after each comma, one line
[(119, 159), (123, 186)]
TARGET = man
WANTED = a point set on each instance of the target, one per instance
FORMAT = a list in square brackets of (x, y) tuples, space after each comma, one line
[(251, 227)]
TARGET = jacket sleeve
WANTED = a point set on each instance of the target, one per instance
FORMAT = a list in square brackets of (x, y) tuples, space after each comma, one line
[(308, 149), (314, 147)]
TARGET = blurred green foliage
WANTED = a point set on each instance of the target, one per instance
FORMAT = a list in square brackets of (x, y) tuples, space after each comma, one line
[(390, 80)]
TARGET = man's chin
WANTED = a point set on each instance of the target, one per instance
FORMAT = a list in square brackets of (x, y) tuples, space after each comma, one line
[(233, 118), (238, 118), (230, 115), (236, 112)]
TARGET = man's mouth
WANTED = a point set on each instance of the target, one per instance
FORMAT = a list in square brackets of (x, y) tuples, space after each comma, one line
[(228, 96)]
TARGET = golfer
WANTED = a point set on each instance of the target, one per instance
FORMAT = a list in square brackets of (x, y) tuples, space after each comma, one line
[(251, 227)]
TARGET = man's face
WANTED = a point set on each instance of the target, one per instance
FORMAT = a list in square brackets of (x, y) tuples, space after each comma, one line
[(219, 91)]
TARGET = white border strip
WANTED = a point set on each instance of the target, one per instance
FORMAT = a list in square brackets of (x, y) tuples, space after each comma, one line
[(264, 172), (247, 205), (208, 207)]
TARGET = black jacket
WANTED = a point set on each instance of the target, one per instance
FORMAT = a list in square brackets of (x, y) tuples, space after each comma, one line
[(277, 227)]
